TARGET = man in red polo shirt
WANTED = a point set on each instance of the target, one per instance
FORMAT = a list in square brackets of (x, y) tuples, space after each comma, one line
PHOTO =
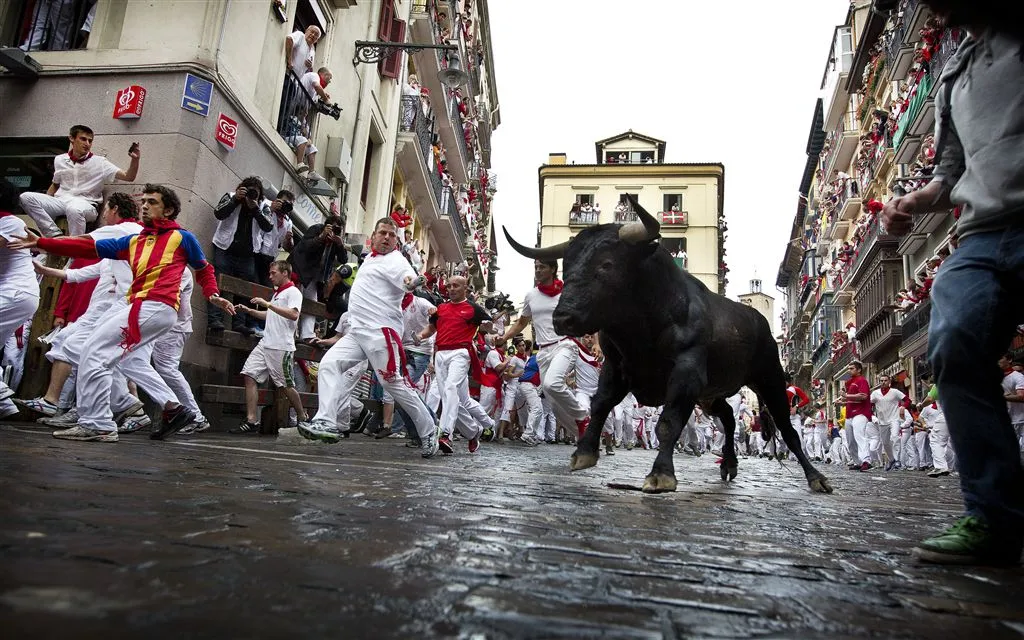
[(858, 414), (456, 323)]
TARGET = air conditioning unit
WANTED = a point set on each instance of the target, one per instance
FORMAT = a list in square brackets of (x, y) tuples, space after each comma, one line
[(339, 158)]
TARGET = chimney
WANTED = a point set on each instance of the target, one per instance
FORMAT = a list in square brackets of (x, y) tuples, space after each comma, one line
[(556, 158)]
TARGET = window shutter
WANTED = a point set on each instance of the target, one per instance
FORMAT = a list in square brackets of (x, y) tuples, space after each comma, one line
[(392, 66), (387, 14)]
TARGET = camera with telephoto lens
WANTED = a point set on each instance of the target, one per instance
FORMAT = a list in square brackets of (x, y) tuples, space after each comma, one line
[(332, 110), (286, 207)]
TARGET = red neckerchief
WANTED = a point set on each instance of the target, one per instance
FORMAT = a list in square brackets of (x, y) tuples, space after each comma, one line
[(551, 290), (156, 227), (284, 286), (1006, 372), (4, 214), (280, 221), (131, 335), (75, 160), (323, 85), (885, 391), (406, 301)]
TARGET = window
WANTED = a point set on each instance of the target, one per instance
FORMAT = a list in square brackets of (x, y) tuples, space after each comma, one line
[(677, 247), (308, 14), (582, 211), (371, 148), (585, 198), (624, 209), (391, 30), (670, 200)]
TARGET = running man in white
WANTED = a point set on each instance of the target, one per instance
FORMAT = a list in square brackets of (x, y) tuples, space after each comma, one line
[(375, 315), (556, 354), (77, 187), (274, 354), (588, 370), (886, 403), (1013, 393), (19, 293)]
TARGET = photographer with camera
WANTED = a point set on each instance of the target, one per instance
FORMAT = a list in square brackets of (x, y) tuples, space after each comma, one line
[(313, 259), (279, 237), (236, 241)]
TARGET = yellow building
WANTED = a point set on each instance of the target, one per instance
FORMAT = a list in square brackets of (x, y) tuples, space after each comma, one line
[(760, 301), (686, 197)]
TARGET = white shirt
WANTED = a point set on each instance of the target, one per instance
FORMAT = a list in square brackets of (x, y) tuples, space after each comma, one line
[(932, 416), (375, 300), (82, 179), (820, 420), (16, 272), (540, 307), (492, 360), (115, 276), (310, 80), (184, 321), (279, 332), (270, 241), (417, 317), (887, 405), (1013, 383), (301, 51), (515, 366), (588, 370)]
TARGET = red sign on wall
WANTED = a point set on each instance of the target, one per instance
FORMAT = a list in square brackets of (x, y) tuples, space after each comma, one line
[(227, 132), (129, 102)]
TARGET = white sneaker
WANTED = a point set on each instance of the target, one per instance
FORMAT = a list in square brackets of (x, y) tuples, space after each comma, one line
[(133, 409), (8, 411), (39, 405), (429, 447), (319, 430), (134, 422), (301, 168), (64, 420), (86, 435), (196, 427)]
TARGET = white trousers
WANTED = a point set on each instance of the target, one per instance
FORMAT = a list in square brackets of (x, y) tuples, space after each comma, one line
[(548, 427), (70, 342), (457, 408), (16, 307), (104, 352), (531, 413), (943, 457), (353, 405), (858, 425), (166, 361), (509, 397), (908, 449), (924, 449), (556, 362), (385, 355), (489, 400), (307, 323), (808, 441), (821, 439), (45, 210)]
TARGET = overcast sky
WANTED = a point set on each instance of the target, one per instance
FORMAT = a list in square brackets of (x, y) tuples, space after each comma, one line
[(731, 82)]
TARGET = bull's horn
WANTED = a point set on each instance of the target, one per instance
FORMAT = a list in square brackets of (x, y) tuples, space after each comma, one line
[(541, 253), (647, 229)]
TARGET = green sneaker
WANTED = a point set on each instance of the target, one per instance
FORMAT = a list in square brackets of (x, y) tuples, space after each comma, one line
[(968, 541)]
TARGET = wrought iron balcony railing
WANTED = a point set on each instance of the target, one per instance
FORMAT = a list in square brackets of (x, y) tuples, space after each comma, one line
[(297, 115)]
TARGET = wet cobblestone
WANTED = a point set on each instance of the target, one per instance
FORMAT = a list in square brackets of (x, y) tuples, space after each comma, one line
[(216, 536)]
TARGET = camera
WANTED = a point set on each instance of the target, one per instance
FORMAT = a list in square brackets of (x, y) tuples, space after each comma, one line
[(332, 110), (286, 207)]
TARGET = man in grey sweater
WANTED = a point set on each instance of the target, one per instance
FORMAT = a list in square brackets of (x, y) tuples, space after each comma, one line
[(978, 294)]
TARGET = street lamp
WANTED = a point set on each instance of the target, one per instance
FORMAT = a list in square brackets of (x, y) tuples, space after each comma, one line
[(372, 52)]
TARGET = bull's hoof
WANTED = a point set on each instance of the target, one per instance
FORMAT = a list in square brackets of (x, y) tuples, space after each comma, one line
[(659, 483), (580, 461), (729, 470), (819, 484)]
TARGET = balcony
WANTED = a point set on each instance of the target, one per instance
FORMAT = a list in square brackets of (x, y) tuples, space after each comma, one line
[(849, 201), (49, 26), (841, 144), (583, 219), (877, 327), (915, 327), (625, 215), (297, 115), (881, 337), (821, 362), (434, 203), (837, 72), (675, 219), (843, 358), (426, 30), (874, 243)]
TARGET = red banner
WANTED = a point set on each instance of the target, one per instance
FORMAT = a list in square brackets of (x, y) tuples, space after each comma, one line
[(227, 132), (128, 104)]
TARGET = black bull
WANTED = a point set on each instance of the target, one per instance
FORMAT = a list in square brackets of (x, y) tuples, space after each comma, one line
[(666, 338)]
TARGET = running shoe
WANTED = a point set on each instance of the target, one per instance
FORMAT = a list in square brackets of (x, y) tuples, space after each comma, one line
[(970, 540), (172, 421), (39, 405), (430, 446), (246, 428), (473, 444), (134, 422), (445, 445), (85, 435), (64, 420), (319, 430)]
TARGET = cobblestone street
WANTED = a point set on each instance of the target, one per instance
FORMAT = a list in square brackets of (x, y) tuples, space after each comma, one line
[(220, 536)]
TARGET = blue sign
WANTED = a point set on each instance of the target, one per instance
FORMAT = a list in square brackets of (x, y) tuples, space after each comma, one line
[(197, 95)]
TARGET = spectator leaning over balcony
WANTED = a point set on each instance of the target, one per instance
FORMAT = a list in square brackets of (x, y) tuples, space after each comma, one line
[(300, 49), (279, 237), (976, 297), (313, 259), (315, 84), (77, 187), (236, 241)]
